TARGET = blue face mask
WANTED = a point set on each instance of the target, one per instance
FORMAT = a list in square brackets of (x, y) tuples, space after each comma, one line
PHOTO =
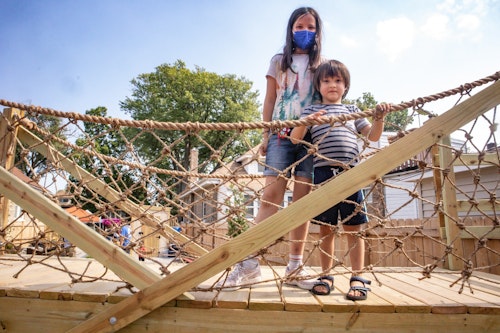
[(304, 39)]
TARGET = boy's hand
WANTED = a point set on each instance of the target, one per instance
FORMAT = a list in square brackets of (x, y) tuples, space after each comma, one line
[(381, 110)]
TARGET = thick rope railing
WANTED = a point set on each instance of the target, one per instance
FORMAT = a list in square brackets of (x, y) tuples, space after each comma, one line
[(273, 125)]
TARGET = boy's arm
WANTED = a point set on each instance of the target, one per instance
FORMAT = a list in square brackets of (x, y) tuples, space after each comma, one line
[(374, 131), (299, 132)]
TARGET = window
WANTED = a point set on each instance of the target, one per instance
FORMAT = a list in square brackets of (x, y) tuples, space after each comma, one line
[(251, 209)]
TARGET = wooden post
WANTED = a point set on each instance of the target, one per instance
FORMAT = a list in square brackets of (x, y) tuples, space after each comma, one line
[(8, 135), (449, 201)]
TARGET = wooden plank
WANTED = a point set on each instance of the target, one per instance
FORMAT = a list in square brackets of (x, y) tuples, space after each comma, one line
[(232, 299), (336, 301), (293, 216), (411, 287), (477, 232), (402, 303), (200, 300), (474, 303), (266, 297), (58, 317), (450, 205), (8, 136), (101, 188), (66, 224), (297, 299), (374, 303), (473, 159), (482, 205)]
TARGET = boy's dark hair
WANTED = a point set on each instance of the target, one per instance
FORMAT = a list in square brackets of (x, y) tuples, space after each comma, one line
[(315, 52), (332, 68)]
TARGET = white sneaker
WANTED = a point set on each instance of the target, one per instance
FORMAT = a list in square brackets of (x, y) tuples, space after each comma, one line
[(243, 275), (299, 277)]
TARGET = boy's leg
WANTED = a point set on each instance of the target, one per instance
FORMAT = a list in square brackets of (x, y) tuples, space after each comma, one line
[(356, 247), (327, 247)]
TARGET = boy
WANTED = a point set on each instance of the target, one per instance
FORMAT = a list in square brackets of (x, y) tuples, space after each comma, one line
[(338, 151)]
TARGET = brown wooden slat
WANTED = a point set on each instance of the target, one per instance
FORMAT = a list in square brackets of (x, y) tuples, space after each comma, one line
[(374, 303), (474, 303), (410, 287)]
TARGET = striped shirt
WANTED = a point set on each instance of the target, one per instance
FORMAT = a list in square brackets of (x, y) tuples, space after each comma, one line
[(337, 144)]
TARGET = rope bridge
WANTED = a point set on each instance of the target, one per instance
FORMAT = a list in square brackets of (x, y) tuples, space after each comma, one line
[(190, 191)]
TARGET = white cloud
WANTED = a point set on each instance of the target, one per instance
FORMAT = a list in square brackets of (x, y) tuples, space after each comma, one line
[(437, 27), (348, 42), (395, 36), (468, 26), (467, 16)]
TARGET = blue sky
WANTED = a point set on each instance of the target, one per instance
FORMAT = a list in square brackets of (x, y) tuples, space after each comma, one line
[(79, 54)]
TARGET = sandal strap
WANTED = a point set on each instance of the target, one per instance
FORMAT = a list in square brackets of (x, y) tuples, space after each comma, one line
[(360, 279), (359, 288), (326, 277)]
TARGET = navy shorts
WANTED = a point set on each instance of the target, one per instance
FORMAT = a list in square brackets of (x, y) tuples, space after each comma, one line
[(282, 154), (343, 209)]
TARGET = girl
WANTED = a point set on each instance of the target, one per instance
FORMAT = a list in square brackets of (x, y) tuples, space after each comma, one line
[(289, 90)]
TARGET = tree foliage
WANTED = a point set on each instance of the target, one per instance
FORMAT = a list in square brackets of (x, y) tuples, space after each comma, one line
[(32, 162), (394, 121), (103, 139), (174, 93)]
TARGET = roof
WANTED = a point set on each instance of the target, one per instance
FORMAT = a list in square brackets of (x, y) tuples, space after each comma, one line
[(82, 215), (19, 174)]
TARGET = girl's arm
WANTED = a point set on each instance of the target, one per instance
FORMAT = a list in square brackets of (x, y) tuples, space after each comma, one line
[(298, 134), (267, 111)]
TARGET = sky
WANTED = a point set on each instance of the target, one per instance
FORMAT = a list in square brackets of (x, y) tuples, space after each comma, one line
[(75, 55)]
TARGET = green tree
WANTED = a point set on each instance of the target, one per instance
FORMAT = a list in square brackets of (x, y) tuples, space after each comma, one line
[(174, 93), (103, 139), (33, 162), (395, 121), (236, 220)]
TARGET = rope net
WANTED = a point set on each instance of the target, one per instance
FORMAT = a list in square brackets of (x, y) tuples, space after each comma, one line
[(205, 181)]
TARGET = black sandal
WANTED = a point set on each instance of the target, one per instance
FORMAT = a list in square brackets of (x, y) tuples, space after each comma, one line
[(329, 287), (363, 290)]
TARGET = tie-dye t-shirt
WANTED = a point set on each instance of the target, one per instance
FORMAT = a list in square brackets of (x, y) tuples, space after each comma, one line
[(295, 91)]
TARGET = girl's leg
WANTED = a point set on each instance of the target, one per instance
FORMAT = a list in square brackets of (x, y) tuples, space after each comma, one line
[(302, 187), (271, 198)]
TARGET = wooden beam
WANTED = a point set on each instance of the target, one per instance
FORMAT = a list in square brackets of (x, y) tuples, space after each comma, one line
[(285, 220), (449, 201), (51, 214), (473, 159), (479, 205), (8, 135), (103, 189), (477, 232)]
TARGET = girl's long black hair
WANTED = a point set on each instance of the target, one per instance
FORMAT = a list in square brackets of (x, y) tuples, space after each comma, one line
[(314, 52)]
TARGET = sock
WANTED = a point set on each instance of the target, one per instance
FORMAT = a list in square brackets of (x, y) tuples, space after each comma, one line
[(250, 263), (295, 261)]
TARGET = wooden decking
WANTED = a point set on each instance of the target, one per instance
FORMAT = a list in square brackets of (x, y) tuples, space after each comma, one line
[(43, 299)]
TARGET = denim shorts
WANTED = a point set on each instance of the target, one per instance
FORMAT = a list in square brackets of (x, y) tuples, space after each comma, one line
[(282, 153), (343, 209)]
